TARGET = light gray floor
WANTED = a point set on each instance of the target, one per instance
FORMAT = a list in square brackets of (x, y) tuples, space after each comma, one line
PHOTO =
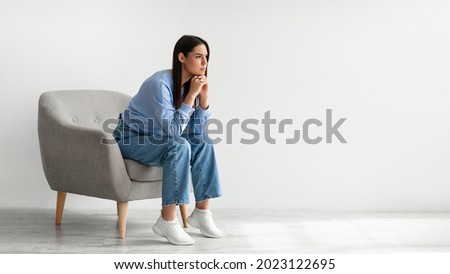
[(245, 231)]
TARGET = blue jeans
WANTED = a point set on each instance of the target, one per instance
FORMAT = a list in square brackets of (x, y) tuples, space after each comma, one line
[(177, 157)]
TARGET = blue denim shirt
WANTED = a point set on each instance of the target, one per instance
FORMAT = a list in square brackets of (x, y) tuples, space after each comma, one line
[(151, 110)]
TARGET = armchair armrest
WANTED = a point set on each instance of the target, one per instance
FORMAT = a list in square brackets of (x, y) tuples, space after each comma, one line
[(75, 160)]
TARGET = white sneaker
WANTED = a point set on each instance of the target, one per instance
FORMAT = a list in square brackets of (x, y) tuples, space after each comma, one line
[(173, 231), (203, 220)]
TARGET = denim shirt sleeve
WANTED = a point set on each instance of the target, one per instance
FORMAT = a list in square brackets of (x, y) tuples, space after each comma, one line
[(170, 121)]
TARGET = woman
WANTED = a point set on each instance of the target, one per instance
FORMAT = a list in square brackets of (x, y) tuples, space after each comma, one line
[(164, 125)]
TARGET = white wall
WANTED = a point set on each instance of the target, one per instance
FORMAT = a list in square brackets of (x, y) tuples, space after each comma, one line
[(383, 65)]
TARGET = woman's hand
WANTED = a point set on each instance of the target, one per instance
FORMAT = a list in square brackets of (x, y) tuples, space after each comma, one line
[(199, 87), (204, 103)]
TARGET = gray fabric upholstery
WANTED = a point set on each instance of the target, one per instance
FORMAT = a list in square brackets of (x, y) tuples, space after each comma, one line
[(142, 173), (78, 152)]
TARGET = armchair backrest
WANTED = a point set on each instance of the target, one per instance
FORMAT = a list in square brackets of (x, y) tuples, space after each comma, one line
[(84, 108)]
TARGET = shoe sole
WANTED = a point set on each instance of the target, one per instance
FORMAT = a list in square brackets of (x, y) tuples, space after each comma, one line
[(158, 231)]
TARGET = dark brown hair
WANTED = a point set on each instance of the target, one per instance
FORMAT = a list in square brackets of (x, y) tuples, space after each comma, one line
[(185, 45)]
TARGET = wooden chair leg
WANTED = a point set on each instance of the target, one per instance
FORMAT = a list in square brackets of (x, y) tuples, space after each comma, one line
[(123, 214), (184, 215), (60, 200)]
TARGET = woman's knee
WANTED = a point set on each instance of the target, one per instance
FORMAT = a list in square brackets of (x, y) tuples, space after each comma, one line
[(181, 145)]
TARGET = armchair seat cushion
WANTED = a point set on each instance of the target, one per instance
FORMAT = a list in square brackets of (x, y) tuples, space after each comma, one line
[(142, 173)]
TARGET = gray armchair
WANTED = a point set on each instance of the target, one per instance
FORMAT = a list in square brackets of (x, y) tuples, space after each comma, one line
[(80, 156)]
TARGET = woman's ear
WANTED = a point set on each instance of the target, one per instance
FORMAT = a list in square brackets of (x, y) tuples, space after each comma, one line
[(181, 57)]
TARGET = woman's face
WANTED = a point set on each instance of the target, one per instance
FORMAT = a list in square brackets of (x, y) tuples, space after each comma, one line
[(195, 62)]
